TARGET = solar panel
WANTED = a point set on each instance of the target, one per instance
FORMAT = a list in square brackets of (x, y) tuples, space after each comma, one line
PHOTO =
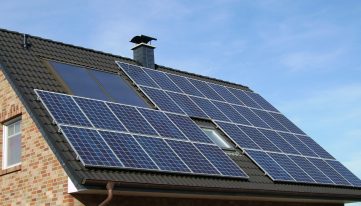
[(347, 174), (132, 119), (294, 170), (128, 150), (162, 100), (329, 171), (250, 116), (184, 84), (261, 101), (137, 74), (208, 107), (90, 147), (162, 154), (267, 164), (286, 123), (277, 140), (162, 124), (220, 160), (298, 144), (225, 94), (187, 105), (206, 90), (192, 157), (162, 80), (63, 109), (315, 147), (261, 140), (265, 116), (311, 170), (237, 135), (189, 128), (243, 97), (99, 114), (231, 113)]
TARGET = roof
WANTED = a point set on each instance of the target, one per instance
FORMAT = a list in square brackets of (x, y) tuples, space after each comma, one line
[(26, 70)]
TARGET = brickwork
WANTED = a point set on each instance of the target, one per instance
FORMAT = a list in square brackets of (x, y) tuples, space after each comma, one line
[(40, 179)]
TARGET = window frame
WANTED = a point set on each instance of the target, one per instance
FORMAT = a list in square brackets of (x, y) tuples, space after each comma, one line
[(220, 136), (5, 142)]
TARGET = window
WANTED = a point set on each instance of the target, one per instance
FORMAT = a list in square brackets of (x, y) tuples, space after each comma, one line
[(97, 84), (12, 144), (217, 138)]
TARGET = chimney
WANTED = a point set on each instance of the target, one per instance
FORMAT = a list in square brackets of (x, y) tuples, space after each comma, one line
[(142, 51)]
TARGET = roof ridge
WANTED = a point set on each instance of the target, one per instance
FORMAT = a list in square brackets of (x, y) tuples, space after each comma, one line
[(202, 76), (68, 44), (121, 57)]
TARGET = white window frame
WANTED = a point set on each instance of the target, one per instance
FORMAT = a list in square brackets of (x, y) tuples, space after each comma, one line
[(228, 146), (5, 143)]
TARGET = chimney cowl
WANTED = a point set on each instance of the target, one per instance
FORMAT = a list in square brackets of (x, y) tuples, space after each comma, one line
[(142, 51)]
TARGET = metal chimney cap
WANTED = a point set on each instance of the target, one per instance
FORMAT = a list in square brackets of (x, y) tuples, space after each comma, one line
[(142, 39)]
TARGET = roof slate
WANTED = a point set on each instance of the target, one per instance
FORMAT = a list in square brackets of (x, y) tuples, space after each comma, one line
[(26, 70)]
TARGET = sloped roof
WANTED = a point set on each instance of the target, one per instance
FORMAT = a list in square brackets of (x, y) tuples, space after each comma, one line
[(26, 70)]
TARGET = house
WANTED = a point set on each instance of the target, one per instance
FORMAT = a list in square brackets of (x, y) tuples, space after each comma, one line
[(47, 161)]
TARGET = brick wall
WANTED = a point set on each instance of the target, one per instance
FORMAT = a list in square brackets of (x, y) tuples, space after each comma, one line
[(40, 179)]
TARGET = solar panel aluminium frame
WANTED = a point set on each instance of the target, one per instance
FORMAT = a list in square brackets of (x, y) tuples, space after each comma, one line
[(129, 76), (129, 133)]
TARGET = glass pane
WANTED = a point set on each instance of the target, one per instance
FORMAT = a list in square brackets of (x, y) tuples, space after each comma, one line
[(118, 89), (79, 81), (10, 129), (17, 127), (14, 150), (216, 138)]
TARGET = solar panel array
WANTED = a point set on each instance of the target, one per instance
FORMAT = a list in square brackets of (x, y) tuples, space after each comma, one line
[(282, 150), (112, 135)]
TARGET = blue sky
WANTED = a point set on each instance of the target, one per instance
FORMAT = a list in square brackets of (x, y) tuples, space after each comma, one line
[(301, 55)]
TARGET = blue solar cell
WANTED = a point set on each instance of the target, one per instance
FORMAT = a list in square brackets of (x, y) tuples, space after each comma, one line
[(286, 123), (63, 109), (162, 80), (250, 116), (90, 146), (347, 174), (315, 147), (187, 105), (225, 94), (192, 157), (137, 74), (206, 90), (189, 128), (132, 119), (162, 124), (211, 110), (162, 154), (237, 135), (185, 85), (329, 171), (294, 170), (261, 101), (128, 150), (243, 97), (269, 166), (277, 140), (298, 144), (274, 124), (99, 114), (259, 138), (162, 100), (311, 170), (231, 113), (221, 160)]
